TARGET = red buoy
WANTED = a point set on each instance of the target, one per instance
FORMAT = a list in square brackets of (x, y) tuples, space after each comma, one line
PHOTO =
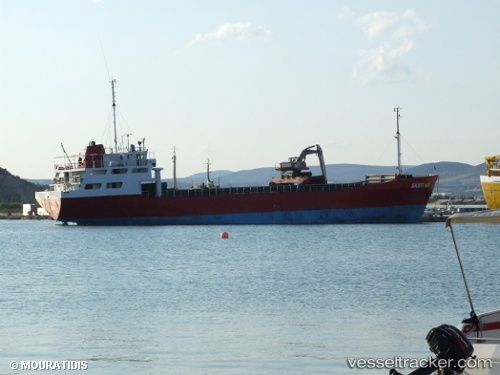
[(224, 235)]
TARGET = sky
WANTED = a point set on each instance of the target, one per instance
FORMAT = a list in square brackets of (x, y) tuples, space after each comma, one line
[(249, 83)]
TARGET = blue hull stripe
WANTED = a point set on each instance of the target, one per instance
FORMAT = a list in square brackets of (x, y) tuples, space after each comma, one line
[(376, 215)]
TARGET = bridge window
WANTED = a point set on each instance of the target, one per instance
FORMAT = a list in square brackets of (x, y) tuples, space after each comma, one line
[(119, 171), (114, 185), (92, 186)]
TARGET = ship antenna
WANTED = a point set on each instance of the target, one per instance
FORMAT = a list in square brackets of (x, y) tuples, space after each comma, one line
[(398, 137), (128, 141), (113, 82)]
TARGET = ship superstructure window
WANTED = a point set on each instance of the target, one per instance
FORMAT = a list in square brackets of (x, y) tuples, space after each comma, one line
[(114, 185), (119, 171), (140, 170), (96, 172), (92, 186)]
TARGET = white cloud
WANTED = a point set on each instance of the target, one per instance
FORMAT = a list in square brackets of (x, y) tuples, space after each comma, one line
[(234, 31), (378, 21), (344, 13), (391, 36)]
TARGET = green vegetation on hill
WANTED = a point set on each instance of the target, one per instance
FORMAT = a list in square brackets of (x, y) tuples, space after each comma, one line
[(7, 208)]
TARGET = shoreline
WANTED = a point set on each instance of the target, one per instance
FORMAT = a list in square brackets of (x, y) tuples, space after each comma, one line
[(20, 216)]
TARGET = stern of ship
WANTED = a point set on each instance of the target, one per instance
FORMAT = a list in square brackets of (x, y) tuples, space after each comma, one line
[(50, 201)]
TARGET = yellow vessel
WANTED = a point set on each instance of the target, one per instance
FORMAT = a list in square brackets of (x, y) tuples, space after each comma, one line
[(490, 182)]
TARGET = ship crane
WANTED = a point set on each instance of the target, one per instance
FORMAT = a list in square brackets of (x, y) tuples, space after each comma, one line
[(293, 171)]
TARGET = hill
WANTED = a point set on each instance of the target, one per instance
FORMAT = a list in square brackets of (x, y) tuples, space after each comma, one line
[(457, 179), (15, 189)]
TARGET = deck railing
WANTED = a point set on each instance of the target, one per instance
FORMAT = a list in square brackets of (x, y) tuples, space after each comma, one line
[(173, 193)]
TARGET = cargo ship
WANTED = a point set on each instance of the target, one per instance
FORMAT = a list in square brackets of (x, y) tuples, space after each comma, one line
[(123, 186), (490, 182)]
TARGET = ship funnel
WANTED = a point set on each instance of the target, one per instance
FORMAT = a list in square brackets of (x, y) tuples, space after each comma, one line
[(158, 180)]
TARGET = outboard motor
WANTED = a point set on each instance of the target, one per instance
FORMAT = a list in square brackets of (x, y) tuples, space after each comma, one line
[(451, 348)]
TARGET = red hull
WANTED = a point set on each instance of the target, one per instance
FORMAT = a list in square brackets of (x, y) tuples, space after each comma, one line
[(400, 200)]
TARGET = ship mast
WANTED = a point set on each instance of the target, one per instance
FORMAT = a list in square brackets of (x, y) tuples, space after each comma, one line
[(174, 159), (113, 82), (208, 171), (398, 137)]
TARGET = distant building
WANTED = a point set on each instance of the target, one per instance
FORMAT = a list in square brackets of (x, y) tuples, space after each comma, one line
[(40, 211), (29, 209), (33, 210)]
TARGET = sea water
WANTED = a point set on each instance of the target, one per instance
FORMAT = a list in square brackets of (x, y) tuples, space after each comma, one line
[(268, 300)]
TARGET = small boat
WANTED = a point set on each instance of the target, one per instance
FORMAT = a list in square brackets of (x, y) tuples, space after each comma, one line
[(123, 186), (439, 214), (490, 182), (473, 347)]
